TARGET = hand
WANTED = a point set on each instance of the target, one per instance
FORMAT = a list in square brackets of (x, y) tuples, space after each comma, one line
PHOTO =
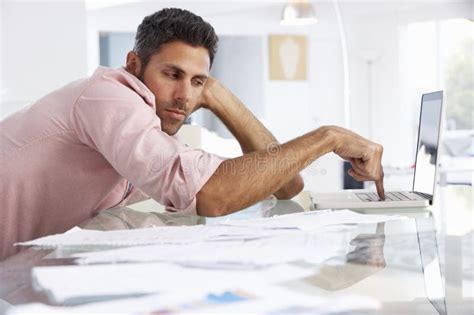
[(208, 95), (364, 155)]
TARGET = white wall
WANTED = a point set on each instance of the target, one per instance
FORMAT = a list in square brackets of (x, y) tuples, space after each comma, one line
[(293, 108), (64, 46), (43, 48), (286, 103), (376, 37)]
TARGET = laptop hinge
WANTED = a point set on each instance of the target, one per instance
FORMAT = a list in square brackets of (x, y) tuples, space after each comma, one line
[(426, 196)]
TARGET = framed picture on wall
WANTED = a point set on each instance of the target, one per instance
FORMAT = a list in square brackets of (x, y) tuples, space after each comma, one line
[(288, 57)]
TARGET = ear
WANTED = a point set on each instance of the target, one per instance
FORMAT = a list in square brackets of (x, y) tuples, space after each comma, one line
[(134, 64)]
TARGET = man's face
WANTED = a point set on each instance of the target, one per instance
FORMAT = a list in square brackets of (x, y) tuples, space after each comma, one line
[(176, 75)]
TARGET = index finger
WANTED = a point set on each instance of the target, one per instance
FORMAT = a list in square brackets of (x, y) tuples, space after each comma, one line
[(380, 189)]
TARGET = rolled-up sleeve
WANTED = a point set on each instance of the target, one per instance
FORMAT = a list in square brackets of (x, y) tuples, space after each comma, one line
[(127, 133)]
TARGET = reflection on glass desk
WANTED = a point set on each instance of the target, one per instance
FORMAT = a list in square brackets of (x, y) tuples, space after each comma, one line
[(404, 264)]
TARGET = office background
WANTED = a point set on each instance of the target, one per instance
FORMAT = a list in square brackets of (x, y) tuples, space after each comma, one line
[(396, 50)]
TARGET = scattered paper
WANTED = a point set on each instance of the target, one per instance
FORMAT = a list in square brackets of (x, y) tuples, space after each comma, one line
[(183, 269)]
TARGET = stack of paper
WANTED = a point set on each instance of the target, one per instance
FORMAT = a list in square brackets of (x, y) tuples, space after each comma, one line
[(267, 299)]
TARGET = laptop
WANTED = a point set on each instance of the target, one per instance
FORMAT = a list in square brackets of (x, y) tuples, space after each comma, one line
[(424, 178)]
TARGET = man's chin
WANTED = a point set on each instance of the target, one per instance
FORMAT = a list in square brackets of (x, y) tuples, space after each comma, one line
[(170, 130)]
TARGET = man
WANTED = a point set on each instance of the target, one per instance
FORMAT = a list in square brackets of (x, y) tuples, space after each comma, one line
[(100, 142)]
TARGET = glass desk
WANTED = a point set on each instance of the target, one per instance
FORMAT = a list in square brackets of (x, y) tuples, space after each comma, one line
[(423, 265)]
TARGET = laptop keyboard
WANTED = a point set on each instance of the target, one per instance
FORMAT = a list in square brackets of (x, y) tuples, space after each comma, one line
[(389, 196)]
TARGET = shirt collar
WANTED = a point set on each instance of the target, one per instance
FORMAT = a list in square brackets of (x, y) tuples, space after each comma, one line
[(139, 87)]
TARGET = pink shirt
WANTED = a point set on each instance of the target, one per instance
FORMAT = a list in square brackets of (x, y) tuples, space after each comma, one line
[(80, 149)]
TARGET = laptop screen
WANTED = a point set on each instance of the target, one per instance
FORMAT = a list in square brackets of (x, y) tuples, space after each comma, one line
[(428, 140)]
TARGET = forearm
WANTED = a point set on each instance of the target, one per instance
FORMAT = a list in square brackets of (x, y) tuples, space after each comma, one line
[(243, 181), (246, 128), (251, 134)]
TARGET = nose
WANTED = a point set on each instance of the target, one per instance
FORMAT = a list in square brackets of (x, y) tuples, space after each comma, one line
[(183, 92)]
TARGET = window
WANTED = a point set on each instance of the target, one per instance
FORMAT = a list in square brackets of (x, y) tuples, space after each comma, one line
[(456, 41), (437, 55)]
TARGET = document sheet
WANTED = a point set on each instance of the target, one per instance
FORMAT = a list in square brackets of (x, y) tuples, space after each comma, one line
[(313, 220), (255, 253), (73, 284), (157, 235)]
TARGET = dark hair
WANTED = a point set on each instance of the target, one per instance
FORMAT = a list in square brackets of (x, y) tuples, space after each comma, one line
[(172, 24)]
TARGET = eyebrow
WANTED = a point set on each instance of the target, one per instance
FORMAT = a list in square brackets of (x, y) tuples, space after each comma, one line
[(181, 71)]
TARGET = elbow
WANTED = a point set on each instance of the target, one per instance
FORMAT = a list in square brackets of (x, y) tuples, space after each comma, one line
[(208, 205), (296, 186), (210, 211), (299, 186), (291, 189)]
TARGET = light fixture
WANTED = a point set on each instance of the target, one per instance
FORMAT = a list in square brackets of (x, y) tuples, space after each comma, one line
[(103, 4), (298, 12)]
